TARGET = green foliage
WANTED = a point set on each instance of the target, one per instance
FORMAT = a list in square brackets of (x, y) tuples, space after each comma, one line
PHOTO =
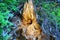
[(1, 30), (52, 10), (4, 18), (4, 22), (6, 37), (5, 7)]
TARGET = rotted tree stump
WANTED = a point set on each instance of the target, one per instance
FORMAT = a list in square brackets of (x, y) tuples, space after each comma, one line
[(30, 28)]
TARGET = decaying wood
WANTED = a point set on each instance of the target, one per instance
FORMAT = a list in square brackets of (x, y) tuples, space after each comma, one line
[(31, 29)]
